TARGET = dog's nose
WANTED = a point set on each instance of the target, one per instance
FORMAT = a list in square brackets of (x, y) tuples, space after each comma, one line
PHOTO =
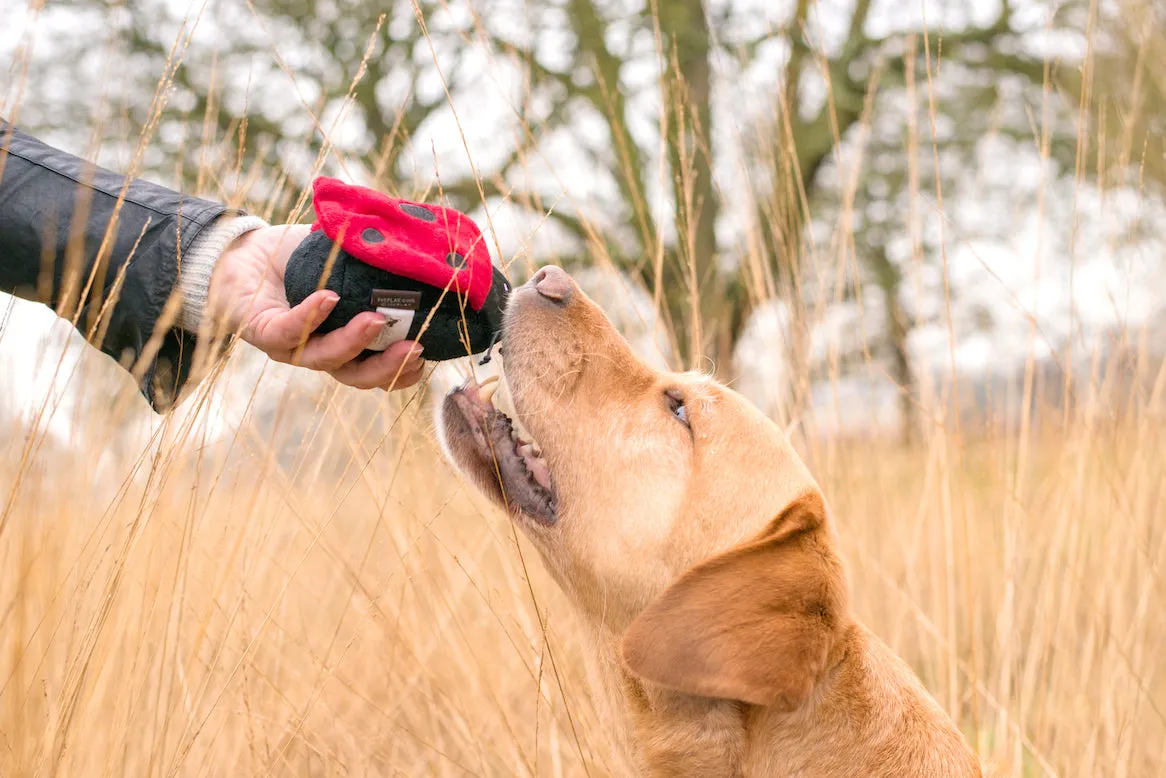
[(554, 284)]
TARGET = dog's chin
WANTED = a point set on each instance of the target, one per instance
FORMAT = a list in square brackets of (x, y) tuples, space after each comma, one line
[(487, 446)]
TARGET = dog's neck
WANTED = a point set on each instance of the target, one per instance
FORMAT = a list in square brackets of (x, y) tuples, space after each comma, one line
[(679, 735), (868, 715), (676, 734)]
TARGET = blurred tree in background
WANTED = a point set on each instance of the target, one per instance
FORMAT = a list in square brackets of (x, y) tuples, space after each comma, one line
[(252, 92), (722, 152)]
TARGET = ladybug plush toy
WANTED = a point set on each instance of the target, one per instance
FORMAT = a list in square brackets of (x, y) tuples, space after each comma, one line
[(424, 267)]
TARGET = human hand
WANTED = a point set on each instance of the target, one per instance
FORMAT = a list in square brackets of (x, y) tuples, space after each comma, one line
[(247, 294)]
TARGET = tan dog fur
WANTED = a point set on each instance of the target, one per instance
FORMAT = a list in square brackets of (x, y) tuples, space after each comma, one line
[(703, 559)]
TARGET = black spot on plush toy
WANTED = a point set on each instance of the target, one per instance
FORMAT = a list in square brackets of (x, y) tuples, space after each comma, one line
[(426, 268)]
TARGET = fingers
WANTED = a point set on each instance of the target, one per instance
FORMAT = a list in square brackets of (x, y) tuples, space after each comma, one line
[(397, 367), (284, 330), (333, 350)]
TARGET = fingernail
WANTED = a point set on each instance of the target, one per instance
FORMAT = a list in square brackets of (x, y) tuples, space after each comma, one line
[(414, 354), (326, 306), (375, 325)]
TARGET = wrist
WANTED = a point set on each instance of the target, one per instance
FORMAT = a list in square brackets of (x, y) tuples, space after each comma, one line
[(199, 261)]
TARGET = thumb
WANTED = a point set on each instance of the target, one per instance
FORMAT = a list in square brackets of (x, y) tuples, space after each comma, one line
[(287, 328)]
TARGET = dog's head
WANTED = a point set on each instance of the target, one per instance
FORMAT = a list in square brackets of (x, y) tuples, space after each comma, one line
[(668, 508)]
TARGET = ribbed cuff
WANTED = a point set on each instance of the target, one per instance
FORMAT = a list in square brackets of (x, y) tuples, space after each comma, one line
[(198, 264)]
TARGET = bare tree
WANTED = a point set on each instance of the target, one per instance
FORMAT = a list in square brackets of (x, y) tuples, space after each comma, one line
[(704, 291)]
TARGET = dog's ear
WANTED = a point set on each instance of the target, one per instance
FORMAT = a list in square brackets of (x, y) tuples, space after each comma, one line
[(754, 624)]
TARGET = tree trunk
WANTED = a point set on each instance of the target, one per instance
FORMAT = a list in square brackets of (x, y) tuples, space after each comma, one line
[(897, 331), (898, 328)]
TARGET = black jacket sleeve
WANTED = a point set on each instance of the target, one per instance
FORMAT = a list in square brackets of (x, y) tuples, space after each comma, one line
[(55, 213)]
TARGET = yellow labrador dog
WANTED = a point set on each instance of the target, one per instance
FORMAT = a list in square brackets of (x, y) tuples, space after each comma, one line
[(690, 536)]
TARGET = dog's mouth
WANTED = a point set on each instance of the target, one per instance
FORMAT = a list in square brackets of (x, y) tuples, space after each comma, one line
[(486, 443)]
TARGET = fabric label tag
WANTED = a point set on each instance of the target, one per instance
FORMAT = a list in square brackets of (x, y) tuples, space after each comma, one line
[(398, 308)]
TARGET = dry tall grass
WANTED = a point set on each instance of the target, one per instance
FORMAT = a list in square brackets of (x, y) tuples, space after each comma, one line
[(224, 608), (364, 614)]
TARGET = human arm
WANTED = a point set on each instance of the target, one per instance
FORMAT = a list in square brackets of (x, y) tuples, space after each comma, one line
[(107, 253)]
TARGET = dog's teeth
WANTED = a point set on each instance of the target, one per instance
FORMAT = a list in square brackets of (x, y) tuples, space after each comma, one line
[(486, 391)]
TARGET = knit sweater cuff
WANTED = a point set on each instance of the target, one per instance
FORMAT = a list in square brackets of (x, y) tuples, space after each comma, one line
[(198, 264)]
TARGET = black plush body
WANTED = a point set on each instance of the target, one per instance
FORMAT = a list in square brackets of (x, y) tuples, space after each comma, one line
[(454, 329)]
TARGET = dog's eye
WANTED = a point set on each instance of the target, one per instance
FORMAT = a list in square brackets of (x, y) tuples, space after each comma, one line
[(677, 406)]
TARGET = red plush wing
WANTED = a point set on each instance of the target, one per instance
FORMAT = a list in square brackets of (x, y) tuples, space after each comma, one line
[(428, 243)]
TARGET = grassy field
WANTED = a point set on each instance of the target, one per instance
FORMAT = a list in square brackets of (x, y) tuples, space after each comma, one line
[(356, 611)]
